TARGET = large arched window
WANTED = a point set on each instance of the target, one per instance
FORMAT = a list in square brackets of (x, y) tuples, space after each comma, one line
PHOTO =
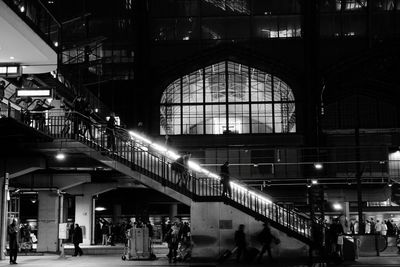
[(227, 97)]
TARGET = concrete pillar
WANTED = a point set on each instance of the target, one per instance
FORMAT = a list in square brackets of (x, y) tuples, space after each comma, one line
[(173, 211), (213, 226), (116, 213), (83, 216), (48, 219)]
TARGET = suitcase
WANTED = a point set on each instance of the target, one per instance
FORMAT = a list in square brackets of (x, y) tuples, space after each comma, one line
[(226, 255), (251, 254)]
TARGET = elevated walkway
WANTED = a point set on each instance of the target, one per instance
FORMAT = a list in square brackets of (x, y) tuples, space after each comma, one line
[(151, 164)]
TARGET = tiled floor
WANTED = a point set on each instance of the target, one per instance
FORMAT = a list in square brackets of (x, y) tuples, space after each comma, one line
[(115, 260)]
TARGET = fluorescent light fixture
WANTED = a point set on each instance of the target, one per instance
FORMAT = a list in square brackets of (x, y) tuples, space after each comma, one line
[(138, 136), (159, 147), (318, 165), (33, 92), (172, 155), (337, 206), (60, 156), (195, 166), (100, 209)]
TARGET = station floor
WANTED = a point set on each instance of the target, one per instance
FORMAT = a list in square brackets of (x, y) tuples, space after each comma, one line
[(52, 260)]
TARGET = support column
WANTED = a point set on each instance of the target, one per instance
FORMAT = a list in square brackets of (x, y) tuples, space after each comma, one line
[(83, 216), (173, 211), (48, 219)]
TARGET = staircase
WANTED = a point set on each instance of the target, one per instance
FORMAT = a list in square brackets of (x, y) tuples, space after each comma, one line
[(138, 155)]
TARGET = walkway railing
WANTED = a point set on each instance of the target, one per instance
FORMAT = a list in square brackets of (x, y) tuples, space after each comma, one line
[(119, 145)]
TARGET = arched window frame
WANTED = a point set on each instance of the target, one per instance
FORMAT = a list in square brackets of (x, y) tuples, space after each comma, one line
[(197, 103)]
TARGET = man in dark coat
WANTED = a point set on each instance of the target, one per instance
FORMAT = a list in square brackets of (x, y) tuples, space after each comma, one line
[(12, 235), (265, 238), (240, 242), (77, 239)]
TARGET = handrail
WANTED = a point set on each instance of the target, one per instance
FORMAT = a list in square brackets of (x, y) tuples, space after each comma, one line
[(141, 157)]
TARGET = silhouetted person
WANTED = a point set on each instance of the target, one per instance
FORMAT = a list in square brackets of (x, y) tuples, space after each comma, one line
[(2, 89), (77, 238), (111, 132), (240, 242), (265, 238), (225, 179), (12, 231)]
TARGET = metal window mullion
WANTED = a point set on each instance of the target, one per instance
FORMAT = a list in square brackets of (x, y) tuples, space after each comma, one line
[(181, 106), (273, 103), (250, 115), (226, 98), (204, 101)]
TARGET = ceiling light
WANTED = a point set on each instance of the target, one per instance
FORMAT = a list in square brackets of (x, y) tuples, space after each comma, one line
[(100, 209), (318, 165), (60, 156), (337, 206), (12, 57), (22, 8), (314, 181)]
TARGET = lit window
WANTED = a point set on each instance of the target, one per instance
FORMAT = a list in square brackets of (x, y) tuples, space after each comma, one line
[(227, 98)]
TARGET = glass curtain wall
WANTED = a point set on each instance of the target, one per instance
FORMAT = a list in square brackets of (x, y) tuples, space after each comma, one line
[(227, 98)]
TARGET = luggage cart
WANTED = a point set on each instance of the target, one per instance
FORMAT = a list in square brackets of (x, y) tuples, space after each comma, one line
[(138, 245)]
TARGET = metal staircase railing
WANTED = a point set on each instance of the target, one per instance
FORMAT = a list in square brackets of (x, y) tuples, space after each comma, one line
[(201, 185)]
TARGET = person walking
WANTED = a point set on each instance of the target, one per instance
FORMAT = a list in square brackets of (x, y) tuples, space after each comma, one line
[(240, 242), (12, 231), (77, 238), (2, 89), (225, 180), (265, 238), (378, 227), (104, 232), (173, 239), (111, 132)]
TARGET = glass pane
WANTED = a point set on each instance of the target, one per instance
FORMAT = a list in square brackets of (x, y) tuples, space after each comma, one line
[(163, 29), (215, 119), (186, 29), (261, 118), (222, 7), (330, 25), (354, 24), (265, 27), (193, 87), (289, 26), (215, 83), (284, 118), (282, 91), (173, 93), (238, 82), (261, 86), (170, 120), (192, 120), (239, 119)]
